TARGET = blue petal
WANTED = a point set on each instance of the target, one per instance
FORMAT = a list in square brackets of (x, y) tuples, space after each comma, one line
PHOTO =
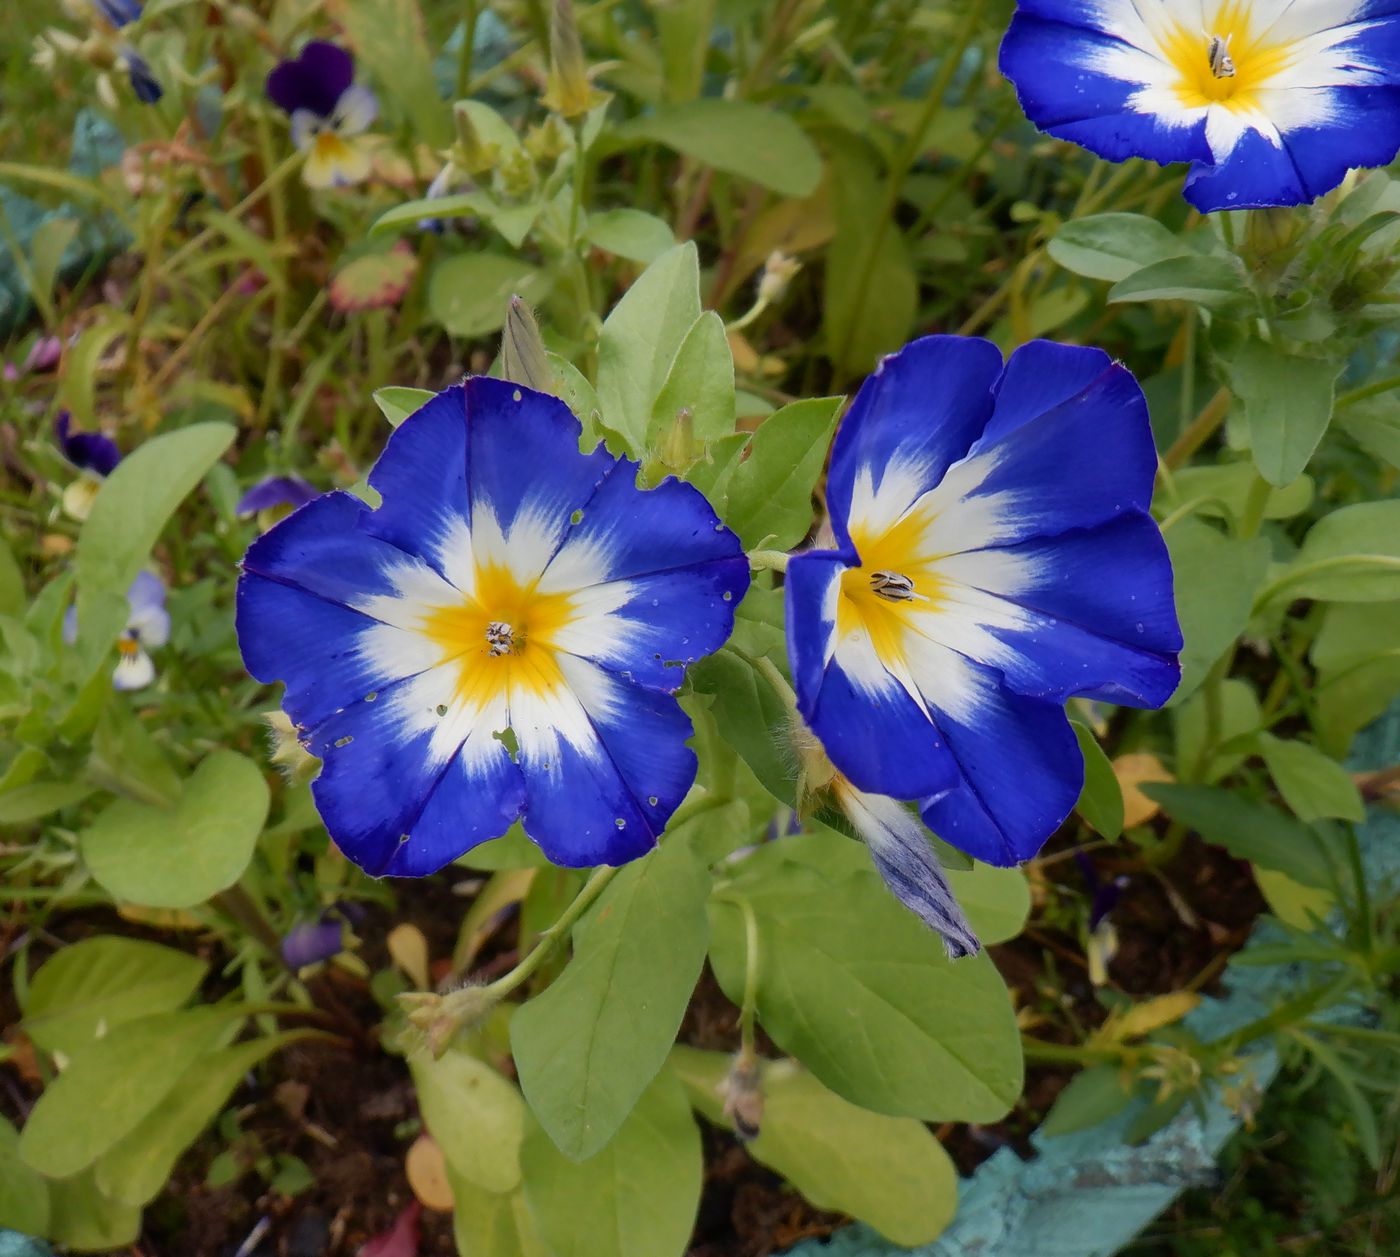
[(921, 410), (882, 738), (1020, 773), (606, 798), (392, 806), (311, 942), (509, 424), (119, 12), (272, 491), (146, 592), (88, 451), (143, 80), (1082, 463), (1051, 63), (811, 588), (1040, 376), (1100, 619)]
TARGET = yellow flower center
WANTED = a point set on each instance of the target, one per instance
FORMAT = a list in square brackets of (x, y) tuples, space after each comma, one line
[(502, 637), (1228, 62), (895, 580)]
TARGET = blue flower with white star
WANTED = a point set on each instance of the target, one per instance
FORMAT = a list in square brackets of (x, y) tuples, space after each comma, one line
[(500, 638), (1271, 101), (328, 111), (147, 626), (994, 557)]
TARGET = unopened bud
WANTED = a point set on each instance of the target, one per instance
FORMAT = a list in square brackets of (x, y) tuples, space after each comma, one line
[(548, 140), (517, 173), (1272, 230), (442, 1018), (523, 357), (678, 445), (471, 153), (569, 91), (743, 1096), (778, 273)]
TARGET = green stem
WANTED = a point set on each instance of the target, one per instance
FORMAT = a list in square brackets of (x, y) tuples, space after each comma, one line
[(894, 184), (464, 59), (768, 560), (1368, 390), (748, 1009), (282, 170), (1260, 490), (1199, 430), (242, 909), (1038, 1050), (553, 936), (1293, 576)]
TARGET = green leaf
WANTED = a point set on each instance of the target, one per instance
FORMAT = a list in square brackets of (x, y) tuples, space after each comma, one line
[(640, 339), (512, 850), (491, 1224), (12, 598), (1199, 731), (389, 38), (1113, 246), (1215, 580), (700, 382), (769, 501), (467, 293), (1101, 800), (24, 1195), (997, 901), (1214, 283), (1374, 424), (111, 1084), (396, 403), (1287, 402), (47, 247), (859, 990), (752, 141), (411, 213), (475, 1115), (39, 799), (890, 1172), (82, 1219), (1249, 830), (178, 857), (102, 983), (751, 717), (588, 1046), (135, 1169), (635, 1198), (127, 517), (1351, 555), (1226, 491), (630, 233), (1312, 784), (1093, 1095)]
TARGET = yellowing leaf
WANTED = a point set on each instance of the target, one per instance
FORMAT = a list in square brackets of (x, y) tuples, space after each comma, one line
[(1131, 771), (409, 950), (1150, 1015), (426, 1169)]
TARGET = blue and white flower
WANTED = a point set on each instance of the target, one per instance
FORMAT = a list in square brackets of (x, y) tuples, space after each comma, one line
[(1271, 101), (500, 638), (328, 111), (147, 627), (994, 557)]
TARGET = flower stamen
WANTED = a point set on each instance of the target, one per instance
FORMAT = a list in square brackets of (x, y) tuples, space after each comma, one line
[(500, 638), (894, 587), (1218, 57)]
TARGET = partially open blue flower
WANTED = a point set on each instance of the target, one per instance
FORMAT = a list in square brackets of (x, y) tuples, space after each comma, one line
[(147, 626), (143, 80), (994, 557), (327, 109), (500, 638), (1270, 101), (273, 493), (313, 941)]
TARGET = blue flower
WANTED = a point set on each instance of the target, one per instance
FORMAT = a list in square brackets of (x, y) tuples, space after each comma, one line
[(143, 80), (147, 626), (312, 942), (273, 493), (118, 12), (327, 110), (994, 557), (1271, 102), (500, 638)]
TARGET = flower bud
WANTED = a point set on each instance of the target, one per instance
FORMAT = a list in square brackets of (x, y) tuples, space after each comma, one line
[(569, 91), (778, 273), (471, 153), (523, 357), (442, 1018), (742, 1091)]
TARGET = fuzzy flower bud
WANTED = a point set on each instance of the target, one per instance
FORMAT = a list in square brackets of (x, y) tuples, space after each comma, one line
[(742, 1091)]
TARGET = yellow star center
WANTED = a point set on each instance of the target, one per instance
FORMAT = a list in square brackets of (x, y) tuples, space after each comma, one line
[(894, 581), (1227, 63)]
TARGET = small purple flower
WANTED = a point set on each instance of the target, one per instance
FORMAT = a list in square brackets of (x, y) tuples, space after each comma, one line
[(312, 942), (118, 12), (143, 80), (317, 90), (44, 355), (273, 491), (87, 451), (147, 626), (1105, 895)]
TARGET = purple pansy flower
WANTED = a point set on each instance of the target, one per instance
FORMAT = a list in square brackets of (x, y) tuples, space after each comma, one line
[(147, 626), (87, 451), (317, 90)]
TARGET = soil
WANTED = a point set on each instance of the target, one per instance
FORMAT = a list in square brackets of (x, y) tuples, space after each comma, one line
[(1174, 932)]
